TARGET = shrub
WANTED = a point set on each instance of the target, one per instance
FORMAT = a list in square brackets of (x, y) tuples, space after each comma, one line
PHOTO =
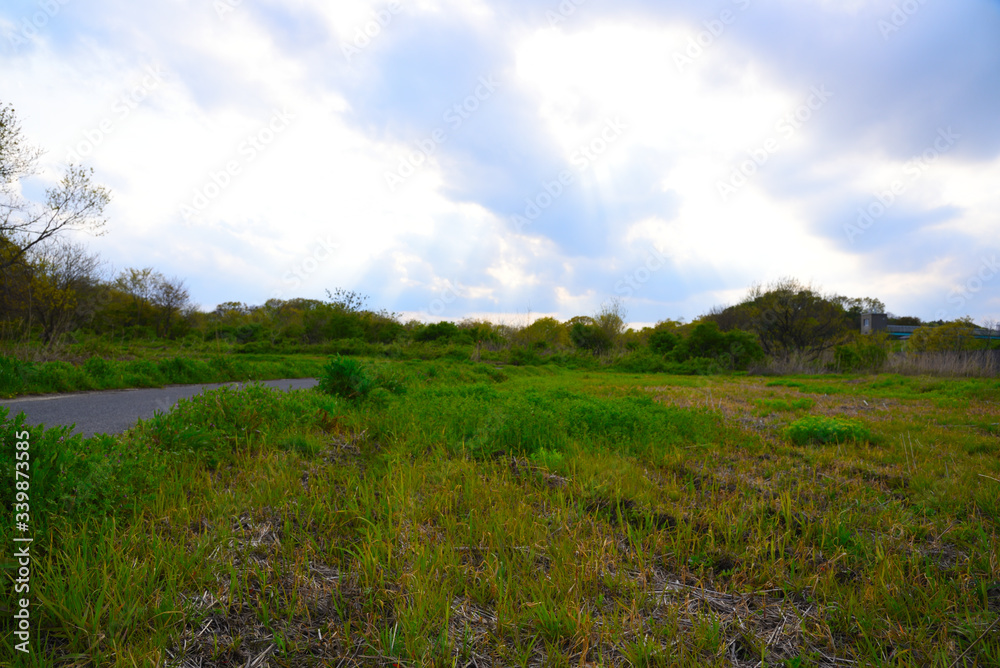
[(71, 476), (519, 356), (820, 429), (11, 375), (443, 330), (734, 349), (783, 405), (642, 361), (663, 341), (864, 353), (348, 378), (590, 337)]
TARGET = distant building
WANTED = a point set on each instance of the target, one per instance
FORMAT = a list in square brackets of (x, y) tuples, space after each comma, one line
[(874, 322)]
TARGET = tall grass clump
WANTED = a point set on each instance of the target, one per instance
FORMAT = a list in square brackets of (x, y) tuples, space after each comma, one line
[(822, 429), (354, 380), (11, 375), (73, 477)]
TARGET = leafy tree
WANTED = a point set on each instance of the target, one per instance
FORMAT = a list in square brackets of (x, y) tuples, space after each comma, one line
[(443, 330), (482, 331), (954, 336), (610, 318), (734, 349), (864, 352), (545, 332), (787, 317), (63, 284), (591, 337), (663, 341)]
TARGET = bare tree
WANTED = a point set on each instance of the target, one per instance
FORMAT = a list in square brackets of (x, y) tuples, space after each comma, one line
[(75, 204), (169, 296)]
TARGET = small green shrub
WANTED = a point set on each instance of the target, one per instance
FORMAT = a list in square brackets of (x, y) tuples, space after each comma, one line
[(348, 378), (11, 375), (821, 429), (863, 353)]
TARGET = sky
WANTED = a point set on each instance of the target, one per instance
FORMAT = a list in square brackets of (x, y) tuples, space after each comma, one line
[(510, 159)]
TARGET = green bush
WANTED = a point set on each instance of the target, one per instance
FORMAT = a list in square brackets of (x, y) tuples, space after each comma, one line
[(864, 353), (590, 337), (782, 405), (642, 361), (821, 429), (11, 375), (348, 378), (730, 350), (441, 331), (663, 341), (71, 476)]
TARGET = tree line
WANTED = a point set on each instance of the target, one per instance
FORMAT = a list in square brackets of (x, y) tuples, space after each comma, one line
[(52, 288)]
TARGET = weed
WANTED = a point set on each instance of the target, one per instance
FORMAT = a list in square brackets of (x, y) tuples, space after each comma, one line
[(821, 429)]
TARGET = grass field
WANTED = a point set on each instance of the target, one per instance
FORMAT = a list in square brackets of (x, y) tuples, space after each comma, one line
[(527, 516)]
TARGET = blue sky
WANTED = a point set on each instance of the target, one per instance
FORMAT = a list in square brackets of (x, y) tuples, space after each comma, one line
[(515, 159)]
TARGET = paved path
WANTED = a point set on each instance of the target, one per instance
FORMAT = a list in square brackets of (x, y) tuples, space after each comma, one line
[(115, 411)]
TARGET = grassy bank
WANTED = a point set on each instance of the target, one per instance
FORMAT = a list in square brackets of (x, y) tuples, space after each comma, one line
[(527, 516), (98, 373)]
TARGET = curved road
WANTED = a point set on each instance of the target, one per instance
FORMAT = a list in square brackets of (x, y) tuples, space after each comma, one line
[(115, 411)]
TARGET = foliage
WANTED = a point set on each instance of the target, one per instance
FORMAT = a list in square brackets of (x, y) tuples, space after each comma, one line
[(354, 380), (955, 336), (547, 332), (71, 476), (788, 317), (863, 352), (11, 376), (663, 341), (440, 331), (822, 429), (591, 337)]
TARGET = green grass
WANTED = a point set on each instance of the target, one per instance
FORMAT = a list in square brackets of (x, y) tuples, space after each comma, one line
[(529, 516), (99, 373), (820, 429)]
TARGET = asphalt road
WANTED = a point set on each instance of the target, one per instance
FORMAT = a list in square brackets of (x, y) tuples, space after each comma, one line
[(115, 411)]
